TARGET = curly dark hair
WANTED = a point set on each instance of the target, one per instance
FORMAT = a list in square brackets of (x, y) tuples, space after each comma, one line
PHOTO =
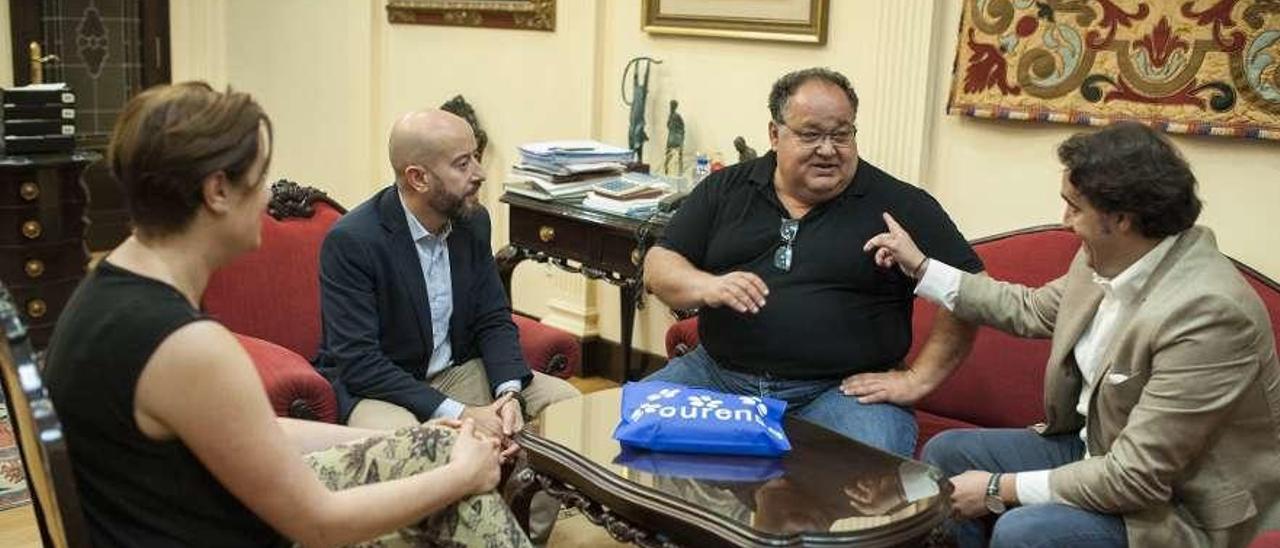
[(786, 86), (1132, 169)]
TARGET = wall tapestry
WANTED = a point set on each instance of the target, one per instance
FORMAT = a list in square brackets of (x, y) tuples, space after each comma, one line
[(1208, 67)]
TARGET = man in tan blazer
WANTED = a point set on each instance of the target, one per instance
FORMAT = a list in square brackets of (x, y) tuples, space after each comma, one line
[(1162, 390)]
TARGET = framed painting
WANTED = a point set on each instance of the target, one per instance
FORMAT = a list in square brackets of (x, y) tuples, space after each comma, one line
[(802, 21), (503, 14)]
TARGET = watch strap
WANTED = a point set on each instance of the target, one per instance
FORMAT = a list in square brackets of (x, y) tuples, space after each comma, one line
[(993, 501), (993, 485)]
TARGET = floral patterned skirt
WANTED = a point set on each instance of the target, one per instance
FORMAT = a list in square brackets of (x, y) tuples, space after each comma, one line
[(478, 520)]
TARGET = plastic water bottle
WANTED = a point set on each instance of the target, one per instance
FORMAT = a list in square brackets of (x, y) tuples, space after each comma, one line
[(701, 167)]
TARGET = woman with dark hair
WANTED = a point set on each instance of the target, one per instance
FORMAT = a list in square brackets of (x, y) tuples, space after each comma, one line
[(171, 435)]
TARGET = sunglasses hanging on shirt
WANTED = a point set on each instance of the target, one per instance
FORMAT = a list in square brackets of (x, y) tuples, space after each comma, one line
[(782, 257)]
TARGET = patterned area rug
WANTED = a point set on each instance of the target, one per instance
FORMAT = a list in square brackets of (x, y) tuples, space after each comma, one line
[(13, 488)]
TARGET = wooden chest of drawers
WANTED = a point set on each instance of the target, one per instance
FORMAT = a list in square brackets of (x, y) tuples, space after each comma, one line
[(42, 226)]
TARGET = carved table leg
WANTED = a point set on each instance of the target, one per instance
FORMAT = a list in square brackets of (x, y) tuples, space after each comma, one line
[(618, 527), (628, 293), (519, 492)]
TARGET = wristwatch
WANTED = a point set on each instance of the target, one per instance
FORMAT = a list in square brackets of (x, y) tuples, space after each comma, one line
[(994, 503)]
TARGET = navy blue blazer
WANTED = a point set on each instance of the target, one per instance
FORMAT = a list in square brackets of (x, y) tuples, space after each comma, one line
[(377, 337)]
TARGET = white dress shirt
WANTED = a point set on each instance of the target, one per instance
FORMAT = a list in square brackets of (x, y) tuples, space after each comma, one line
[(941, 285), (433, 256)]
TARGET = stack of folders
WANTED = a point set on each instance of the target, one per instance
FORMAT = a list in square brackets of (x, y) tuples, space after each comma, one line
[(38, 119), (552, 154), (564, 170), (631, 194)]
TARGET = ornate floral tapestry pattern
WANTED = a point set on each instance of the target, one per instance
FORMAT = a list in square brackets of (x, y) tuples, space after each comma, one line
[(1208, 67)]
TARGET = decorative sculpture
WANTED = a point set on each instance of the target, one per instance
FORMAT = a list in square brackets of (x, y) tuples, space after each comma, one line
[(459, 106), (744, 152), (639, 92), (675, 140)]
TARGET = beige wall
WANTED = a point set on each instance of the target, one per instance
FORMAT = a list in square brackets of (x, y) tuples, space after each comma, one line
[(723, 85), (6, 49), (311, 70), (334, 79)]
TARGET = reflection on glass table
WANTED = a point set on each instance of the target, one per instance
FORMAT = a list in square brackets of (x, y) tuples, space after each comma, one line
[(827, 486)]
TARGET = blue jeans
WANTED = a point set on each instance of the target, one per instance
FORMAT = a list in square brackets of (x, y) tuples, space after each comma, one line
[(1022, 450), (885, 426)]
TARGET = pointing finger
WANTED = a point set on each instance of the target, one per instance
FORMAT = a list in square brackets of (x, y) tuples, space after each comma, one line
[(894, 227)]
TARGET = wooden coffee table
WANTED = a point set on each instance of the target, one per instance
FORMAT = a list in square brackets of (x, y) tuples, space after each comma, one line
[(828, 491)]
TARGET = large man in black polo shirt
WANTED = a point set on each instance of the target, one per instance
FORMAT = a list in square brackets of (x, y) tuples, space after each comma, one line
[(770, 250)]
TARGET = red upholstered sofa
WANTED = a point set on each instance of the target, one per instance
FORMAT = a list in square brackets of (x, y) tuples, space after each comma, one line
[(1268, 539), (1001, 383), (271, 299)]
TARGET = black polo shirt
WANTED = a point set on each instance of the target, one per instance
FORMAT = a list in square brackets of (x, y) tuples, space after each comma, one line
[(835, 312)]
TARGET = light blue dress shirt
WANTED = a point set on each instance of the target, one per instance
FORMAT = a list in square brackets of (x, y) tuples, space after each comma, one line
[(433, 257)]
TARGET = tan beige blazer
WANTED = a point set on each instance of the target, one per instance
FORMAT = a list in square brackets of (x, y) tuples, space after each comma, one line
[(1185, 419)]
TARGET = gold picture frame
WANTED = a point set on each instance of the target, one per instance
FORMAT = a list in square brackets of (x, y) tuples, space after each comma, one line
[(502, 14), (796, 21)]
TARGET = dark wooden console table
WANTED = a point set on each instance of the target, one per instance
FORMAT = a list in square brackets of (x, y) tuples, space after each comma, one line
[(828, 491), (597, 245)]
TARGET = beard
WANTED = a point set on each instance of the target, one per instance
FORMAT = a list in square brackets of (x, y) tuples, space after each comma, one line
[(453, 206)]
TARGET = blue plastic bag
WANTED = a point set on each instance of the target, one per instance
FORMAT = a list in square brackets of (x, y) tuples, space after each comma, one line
[(662, 416), (727, 468)]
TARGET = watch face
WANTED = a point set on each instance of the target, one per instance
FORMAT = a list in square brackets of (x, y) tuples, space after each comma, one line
[(994, 504)]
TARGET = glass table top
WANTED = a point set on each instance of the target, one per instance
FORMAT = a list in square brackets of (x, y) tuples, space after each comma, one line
[(826, 483)]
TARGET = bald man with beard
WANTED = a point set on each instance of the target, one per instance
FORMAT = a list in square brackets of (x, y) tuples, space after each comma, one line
[(416, 322)]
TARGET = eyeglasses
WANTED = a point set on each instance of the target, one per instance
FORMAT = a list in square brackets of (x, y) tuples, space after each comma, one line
[(782, 257), (840, 138)]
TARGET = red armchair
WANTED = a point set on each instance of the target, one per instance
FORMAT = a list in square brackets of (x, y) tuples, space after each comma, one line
[(1268, 539), (270, 298), (1001, 383)]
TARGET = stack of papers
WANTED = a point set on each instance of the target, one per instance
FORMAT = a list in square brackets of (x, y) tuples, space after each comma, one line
[(638, 207), (561, 153), (565, 170), (640, 199)]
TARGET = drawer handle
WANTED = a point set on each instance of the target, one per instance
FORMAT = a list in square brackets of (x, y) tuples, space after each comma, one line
[(32, 229), (29, 191), (36, 308), (636, 256), (546, 234), (34, 268)]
